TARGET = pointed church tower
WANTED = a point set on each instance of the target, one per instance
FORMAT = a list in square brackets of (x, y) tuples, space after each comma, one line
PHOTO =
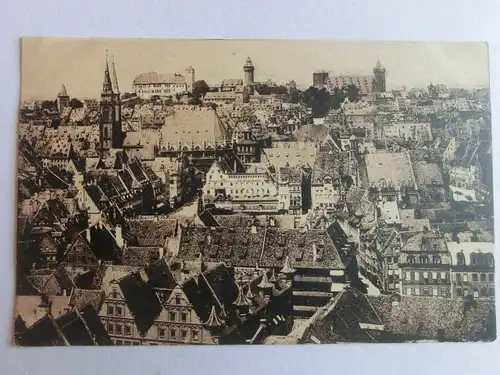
[(110, 129), (116, 89)]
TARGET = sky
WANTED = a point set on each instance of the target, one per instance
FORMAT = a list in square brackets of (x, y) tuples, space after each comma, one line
[(47, 63)]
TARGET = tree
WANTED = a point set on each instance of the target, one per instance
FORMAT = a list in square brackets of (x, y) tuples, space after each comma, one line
[(194, 101), (49, 105), (200, 88), (178, 97), (75, 103), (353, 93)]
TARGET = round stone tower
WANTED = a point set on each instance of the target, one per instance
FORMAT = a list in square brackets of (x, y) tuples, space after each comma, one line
[(248, 69)]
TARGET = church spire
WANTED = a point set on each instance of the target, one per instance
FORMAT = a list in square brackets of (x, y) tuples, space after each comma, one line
[(107, 87), (114, 77)]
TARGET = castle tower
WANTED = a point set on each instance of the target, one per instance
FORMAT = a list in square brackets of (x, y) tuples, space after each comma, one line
[(110, 126), (379, 81), (62, 99), (248, 70), (190, 78)]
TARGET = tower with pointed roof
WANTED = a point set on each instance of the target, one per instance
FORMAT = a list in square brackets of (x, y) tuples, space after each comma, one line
[(379, 80), (110, 127), (62, 99)]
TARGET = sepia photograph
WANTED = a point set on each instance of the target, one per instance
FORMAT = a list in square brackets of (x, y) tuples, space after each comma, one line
[(253, 192)]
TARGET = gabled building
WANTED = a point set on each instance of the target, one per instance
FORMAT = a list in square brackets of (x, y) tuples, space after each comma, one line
[(472, 269), (152, 307), (425, 265), (92, 247), (250, 188)]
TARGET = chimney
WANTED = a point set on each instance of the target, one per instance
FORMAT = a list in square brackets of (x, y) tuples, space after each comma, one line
[(315, 253), (119, 236), (89, 237), (253, 229), (161, 252)]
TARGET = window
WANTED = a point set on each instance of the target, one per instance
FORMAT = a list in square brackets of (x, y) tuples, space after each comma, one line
[(118, 311), (183, 334), (443, 292), (195, 335), (474, 277), (475, 293), (482, 277), (114, 293), (491, 277), (491, 292), (119, 342), (183, 317), (177, 299), (459, 278), (128, 330), (111, 310), (483, 292), (172, 316), (412, 275), (465, 278), (161, 333), (136, 343), (127, 343), (173, 333), (118, 329), (459, 292), (460, 259), (466, 292), (473, 259)]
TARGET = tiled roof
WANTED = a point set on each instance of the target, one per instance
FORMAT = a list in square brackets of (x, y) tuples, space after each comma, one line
[(402, 319), (427, 174), (309, 249), (328, 165), (150, 233), (232, 82), (81, 297), (140, 256), (153, 77), (312, 133), (267, 247), (195, 125), (425, 242), (392, 168), (460, 319)]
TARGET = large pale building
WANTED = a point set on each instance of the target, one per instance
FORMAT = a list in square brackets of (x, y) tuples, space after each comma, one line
[(150, 84)]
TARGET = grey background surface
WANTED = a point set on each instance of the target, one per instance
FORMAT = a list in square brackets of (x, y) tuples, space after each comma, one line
[(436, 20)]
